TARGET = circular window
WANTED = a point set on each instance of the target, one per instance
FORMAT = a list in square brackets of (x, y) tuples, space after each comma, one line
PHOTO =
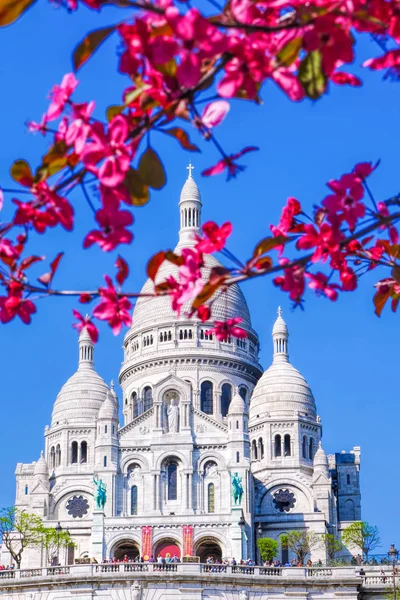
[(77, 506), (284, 500)]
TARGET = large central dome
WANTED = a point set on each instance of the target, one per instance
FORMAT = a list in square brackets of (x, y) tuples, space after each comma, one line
[(156, 310)]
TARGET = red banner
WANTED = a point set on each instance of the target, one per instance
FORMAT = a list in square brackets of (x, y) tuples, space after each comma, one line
[(147, 542), (187, 540)]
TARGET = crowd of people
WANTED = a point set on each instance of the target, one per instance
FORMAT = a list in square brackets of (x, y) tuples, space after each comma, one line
[(6, 568)]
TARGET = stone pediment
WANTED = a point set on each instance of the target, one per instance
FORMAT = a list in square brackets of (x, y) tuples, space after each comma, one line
[(322, 479), (207, 424), (141, 425), (39, 488)]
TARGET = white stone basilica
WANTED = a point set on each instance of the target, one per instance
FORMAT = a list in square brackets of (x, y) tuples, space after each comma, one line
[(196, 411)]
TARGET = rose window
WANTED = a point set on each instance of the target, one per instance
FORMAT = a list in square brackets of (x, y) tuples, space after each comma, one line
[(284, 500), (77, 506)]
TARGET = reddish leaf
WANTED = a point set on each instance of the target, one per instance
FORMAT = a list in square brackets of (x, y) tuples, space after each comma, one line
[(89, 45), (206, 293), (85, 298), (154, 264), (10, 10), (183, 138), (267, 244), (47, 278), (29, 261), (380, 300), (138, 191), (123, 270), (151, 169), (174, 258), (396, 273), (21, 173)]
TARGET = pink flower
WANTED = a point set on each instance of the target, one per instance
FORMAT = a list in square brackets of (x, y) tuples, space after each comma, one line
[(326, 241), (113, 223), (224, 329), (14, 305), (113, 308), (215, 113), (319, 283), (393, 232), (346, 203), (214, 237), (60, 94), (341, 78), (189, 283), (78, 131), (291, 281), (86, 323), (112, 148), (7, 249), (41, 127), (389, 60), (204, 313), (348, 279), (228, 163)]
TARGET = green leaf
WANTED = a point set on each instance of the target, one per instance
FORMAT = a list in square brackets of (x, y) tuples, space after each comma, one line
[(113, 110), (10, 10), (135, 93), (89, 45), (312, 76), (151, 170), (290, 52), (21, 173), (183, 138), (138, 191)]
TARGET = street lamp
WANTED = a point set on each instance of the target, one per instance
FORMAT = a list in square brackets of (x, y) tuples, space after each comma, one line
[(58, 529), (393, 554)]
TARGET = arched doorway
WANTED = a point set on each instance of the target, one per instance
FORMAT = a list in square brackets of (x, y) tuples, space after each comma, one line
[(208, 547), (165, 547), (126, 547)]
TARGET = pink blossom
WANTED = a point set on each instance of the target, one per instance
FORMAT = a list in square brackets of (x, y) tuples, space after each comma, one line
[(189, 283), (389, 60), (214, 113), (14, 305), (109, 148), (113, 223), (224, 329), (113, 308), (41, 127), (291, 281), (60, 94), (341, 78), (86, 323), (78, 131), (214, 238), (229, 164), (319, 283)]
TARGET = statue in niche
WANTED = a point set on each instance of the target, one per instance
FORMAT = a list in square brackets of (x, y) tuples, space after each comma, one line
[(172, 411), (211, 469), (134, 472), (136, 590), (173, 416), (243, 595)]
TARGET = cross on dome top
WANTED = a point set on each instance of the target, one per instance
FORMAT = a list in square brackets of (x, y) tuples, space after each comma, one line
[(279, 311), (190, 168)]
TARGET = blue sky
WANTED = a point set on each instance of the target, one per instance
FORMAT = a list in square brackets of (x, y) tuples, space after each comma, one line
[(347, 354)]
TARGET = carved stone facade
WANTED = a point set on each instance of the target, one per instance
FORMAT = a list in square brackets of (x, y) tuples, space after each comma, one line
[(196, 411)]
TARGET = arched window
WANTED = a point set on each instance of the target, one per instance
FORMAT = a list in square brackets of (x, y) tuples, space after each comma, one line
[(226, 397), (105, 461), (206, 397), (304, 447), (278, 446), (260, 448), (350, 511), (27, 491), (147, 398), (74, 452), (134, 499), (135, 405), (211, 498), (83, 452), (172, 481), (58, 455), (286, 443), (348, 479), (311, 449), (254, 449), (52, 457), (243, 393)]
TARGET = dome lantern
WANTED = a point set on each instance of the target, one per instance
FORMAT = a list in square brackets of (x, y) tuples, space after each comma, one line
[(86, 349), (280, 338), (190, 210)]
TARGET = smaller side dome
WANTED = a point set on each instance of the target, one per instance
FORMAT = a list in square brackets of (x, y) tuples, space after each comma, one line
[(321, 460), (41, 470), (237, 406), (108, 410)]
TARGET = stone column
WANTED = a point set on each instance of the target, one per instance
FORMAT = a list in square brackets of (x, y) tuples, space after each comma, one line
[(236, 534), (97, 537)]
